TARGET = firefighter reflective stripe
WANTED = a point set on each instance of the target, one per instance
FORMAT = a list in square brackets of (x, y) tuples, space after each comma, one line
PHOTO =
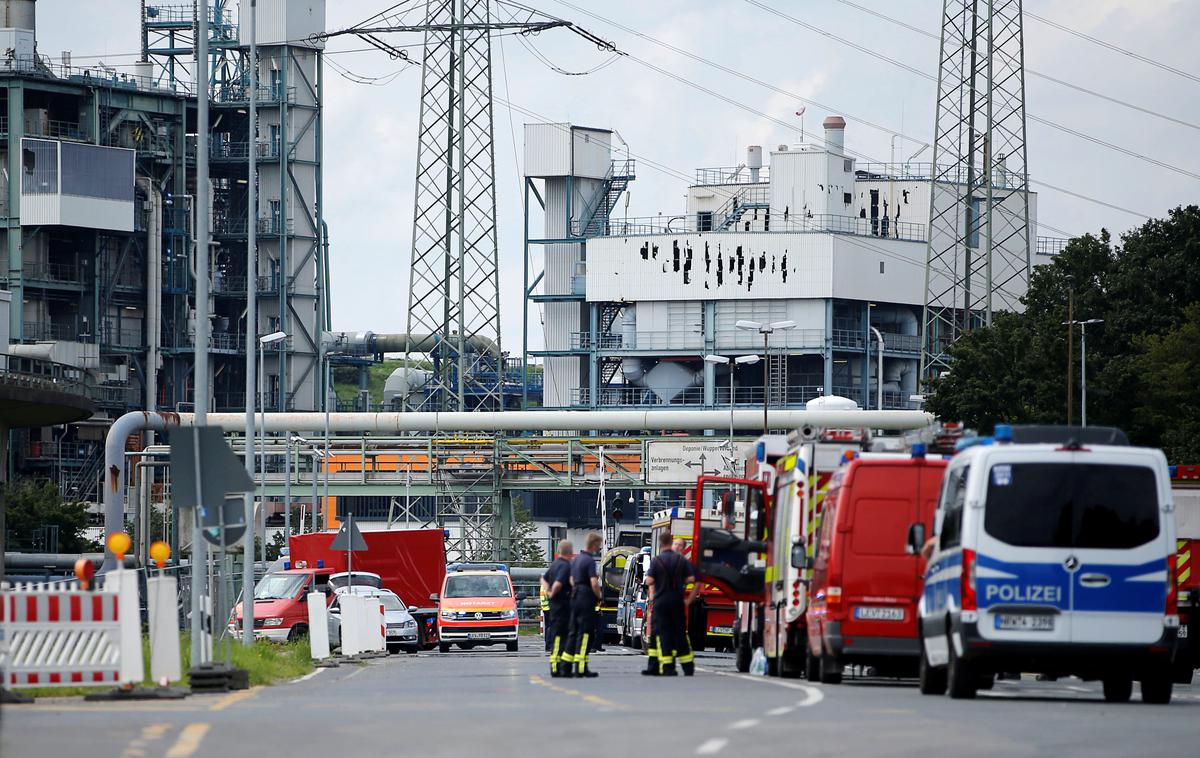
[(555, 654), (664, 660), (581, 656), (566, 657), (545, 599), (1183, 562)]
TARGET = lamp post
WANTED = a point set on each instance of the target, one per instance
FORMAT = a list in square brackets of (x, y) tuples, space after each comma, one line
[(263, 341), (741, 360), (1083, 364), (766, 330)]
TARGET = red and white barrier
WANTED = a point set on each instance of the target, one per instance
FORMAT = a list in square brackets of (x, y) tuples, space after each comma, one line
[(318, 626), (363, 629), (60, 634)]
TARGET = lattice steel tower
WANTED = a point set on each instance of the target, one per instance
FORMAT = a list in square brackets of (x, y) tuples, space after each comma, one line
[(454, 291), (978, 258)]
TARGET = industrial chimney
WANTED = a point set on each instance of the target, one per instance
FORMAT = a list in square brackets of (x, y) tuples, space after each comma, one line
[(835, 134), (18, 14), (754, 161)]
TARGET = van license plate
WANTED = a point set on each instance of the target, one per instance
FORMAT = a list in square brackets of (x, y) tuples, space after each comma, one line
[(720, 630), (1031, 623), (479, 636), (867, 613), (1182, 633)]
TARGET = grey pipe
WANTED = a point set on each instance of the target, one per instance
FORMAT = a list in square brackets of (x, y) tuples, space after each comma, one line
[(370, 343)]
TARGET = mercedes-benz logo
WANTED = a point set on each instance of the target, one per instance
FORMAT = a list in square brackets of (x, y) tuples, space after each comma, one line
[(1071, 563), (478, 615)]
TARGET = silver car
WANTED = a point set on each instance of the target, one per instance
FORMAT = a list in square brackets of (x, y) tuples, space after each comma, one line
[(401, 627)]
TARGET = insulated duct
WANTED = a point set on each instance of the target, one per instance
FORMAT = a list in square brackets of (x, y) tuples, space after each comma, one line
[(370, 343)]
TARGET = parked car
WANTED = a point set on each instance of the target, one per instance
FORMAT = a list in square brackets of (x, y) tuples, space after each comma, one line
[(400, 626)]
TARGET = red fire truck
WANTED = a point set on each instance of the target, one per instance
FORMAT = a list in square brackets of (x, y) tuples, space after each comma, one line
[(1185, 488), (710, 618)]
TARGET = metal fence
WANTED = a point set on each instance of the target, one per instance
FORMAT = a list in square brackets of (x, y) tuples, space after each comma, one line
[(778, 223)]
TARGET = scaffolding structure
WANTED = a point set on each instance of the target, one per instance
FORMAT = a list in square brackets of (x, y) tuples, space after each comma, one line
[(978, 255)]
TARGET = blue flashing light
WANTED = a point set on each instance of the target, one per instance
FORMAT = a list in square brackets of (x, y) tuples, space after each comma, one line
[(1002, 433), (760, 452), (287, 565), (1173, 471), (321, 563), (674, 511), (918, 450), (967, 442)]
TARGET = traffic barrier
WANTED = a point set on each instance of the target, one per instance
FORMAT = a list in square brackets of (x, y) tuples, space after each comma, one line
[(162, 604), (318, 626), (61, 634), (376, 632), (351, 624)]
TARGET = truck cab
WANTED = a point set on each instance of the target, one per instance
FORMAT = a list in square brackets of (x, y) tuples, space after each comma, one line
[(280, 604)]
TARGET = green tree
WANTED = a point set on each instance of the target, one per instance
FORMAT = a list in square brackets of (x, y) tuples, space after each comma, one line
[(1169, 416), (525, 550), (36, 511)]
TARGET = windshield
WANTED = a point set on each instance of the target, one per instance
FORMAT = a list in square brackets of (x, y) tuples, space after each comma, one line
[(1072, 505), (477, 586), (280, 586), (391, 603)]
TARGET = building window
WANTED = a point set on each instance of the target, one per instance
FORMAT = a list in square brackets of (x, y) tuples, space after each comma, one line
[(848, 165), (704, 221), (847, 198), (881, 267)]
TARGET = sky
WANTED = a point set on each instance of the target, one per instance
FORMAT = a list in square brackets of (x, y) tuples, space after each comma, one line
[(370, 129)]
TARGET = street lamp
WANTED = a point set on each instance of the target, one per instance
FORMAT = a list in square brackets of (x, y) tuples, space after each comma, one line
[(766, 330), (263, 341), (879, 378), (741, 360), (1083, 364)]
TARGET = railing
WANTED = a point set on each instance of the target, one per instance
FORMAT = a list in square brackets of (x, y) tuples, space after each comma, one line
[(225, 341), (268, 284), (855, 339), (121, 336), (885, 171), (642, 397), (237, 93), (949, 173), (121, 395), (273, 225), (67, 130), (97, 76), (892, 400), (70, 273), (753, 196), (38, 374), (731, 175), (229, 284), (229, 402), (1051, 245), (48, 330), (586, 341), (882, 228), (241, 150)]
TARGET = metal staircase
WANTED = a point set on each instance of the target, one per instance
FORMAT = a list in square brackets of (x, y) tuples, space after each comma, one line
[(753, 197), (84, 483), (595, 218)]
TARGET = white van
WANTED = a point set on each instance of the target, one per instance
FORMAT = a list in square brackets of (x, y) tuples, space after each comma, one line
[(1053, 559)]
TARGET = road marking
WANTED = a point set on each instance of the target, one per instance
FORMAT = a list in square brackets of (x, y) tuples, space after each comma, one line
[(712, 747), (307, 676), (745, 724), (781, 711), (594, 699), (189, 740), (812, 695), (233, 698), (150, 733)]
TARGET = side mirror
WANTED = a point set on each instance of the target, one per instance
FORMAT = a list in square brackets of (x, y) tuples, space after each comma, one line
[(800, 559), (434, 597), (412, 608), (335, 610), (916, 538)]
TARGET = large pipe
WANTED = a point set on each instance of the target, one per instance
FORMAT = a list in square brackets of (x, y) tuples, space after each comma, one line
[(153, 288), (370, 343), (486, 422)]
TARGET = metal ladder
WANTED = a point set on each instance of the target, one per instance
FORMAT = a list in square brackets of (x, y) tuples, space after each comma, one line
[(777, 376)]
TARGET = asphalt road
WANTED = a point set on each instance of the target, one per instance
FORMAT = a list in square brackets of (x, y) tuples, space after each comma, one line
[(483, 703)]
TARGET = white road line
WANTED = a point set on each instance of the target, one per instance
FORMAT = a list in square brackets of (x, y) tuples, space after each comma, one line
[(812, 695), (307, 676), (712, 747), (745, 724), (781, 711)]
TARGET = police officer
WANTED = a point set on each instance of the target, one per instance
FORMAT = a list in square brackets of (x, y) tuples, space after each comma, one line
[(585, 595), (556, 586), (667, 579)]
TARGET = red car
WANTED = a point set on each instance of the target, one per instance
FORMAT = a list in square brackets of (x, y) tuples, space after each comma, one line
[(866, 583)]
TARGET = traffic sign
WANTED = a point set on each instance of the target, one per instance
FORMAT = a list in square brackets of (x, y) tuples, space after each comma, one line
[(348, 538), (204, 474), (669, 462)]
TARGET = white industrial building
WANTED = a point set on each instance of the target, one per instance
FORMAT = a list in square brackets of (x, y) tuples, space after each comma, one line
[(804, 233)]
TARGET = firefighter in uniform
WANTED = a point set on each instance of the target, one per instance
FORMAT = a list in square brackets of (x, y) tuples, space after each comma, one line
[(585, 595), (556, 594), (667, 579)]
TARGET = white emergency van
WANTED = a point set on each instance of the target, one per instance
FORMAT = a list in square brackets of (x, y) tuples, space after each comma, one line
[(1050, 558)]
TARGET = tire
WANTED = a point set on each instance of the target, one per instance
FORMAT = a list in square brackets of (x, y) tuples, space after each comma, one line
[(986, 681), (411, 650), (932, 680), (1118, 689), (1156, 688), (393, 649), (961, 682), (743, 653), (298, 632), (465, 645), (444, 647), (812, 665), (830, 669), (510, 647)]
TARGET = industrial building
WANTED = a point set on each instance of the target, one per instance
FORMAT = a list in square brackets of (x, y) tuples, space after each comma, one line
[(804, 234), (99, 222)]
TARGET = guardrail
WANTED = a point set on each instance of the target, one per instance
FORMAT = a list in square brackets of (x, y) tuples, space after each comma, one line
[(39, 374), (643, 397), (779, 223)]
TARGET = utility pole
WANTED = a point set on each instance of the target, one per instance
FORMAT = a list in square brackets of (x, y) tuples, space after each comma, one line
[(201, 652), (251, 329), (1070, 356)]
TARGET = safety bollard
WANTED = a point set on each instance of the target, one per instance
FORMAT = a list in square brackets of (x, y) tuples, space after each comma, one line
[(352, 622), (318, 630)]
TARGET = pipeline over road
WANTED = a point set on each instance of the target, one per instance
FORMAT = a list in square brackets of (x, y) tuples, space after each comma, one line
[(485, 422)]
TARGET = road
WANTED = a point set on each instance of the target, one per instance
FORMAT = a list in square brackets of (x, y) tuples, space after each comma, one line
[(497, 704)]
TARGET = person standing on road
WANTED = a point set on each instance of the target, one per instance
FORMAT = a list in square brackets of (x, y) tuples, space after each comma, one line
[(556, 589), (585, 594), (666, 580)]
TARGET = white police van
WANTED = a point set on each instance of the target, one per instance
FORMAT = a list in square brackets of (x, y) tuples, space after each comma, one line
[(1051, 558)]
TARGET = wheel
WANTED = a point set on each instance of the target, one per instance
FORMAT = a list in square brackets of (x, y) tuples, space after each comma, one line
[(1156, 688), (812, 665), (511, 646), (465, 645), (743, 653), (298, 632), (986, 681), (411, 650), (961, 681), (1118, 689), (444, 647), (393, 649), (830, 669)]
